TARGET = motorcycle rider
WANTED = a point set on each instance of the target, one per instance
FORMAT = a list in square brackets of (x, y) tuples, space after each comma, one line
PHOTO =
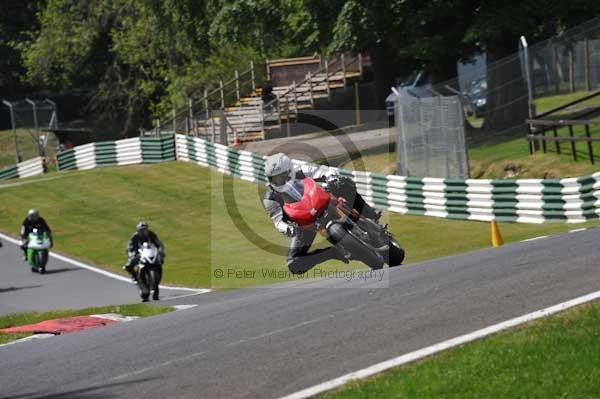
[(143, 234), (31, 222), (285, 185)]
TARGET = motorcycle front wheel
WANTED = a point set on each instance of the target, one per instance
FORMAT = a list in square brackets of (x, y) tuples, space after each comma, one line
[(154, 282), (395, 254), (43, 261), (144, 284)]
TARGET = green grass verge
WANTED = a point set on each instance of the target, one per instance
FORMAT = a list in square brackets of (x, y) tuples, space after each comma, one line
[(93, 214), (21, 319), (500, 159), (510, 159), (546, 103), (557, 357)]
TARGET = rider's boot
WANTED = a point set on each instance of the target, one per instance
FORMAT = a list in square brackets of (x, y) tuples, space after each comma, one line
[(331, 253), (341, 255), (129, 269)]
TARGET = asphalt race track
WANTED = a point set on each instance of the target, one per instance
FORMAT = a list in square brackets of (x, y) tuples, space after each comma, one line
[(271, 342), (64, 286)]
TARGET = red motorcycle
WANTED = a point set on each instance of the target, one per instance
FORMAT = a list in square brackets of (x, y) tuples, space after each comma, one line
[(344, 227)]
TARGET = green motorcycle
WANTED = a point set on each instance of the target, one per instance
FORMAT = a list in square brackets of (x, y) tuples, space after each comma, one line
[(37, 250)]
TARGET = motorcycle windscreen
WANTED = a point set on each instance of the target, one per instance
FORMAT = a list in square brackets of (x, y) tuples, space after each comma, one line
[(38, 241), (309, 208), (148, 254)]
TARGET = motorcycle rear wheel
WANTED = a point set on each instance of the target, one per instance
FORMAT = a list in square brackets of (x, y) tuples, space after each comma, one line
[(358, 250)]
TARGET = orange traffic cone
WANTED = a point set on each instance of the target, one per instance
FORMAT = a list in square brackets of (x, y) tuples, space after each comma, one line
[(496, 236)]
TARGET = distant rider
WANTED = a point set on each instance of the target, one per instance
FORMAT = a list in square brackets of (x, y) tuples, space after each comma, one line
[(31, 222), (142, 234), (286, 185)]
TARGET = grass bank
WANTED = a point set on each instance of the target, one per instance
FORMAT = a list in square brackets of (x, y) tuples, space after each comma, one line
[(509, 159), (557, 357), (207, 221)]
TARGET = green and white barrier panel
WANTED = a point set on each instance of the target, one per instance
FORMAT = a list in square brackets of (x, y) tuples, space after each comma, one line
[(571, 200), (158, 149), (243, 164), (523, 201), (32, 167), (122, 152)]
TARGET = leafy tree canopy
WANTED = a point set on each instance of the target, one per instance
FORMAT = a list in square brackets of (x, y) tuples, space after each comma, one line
[(135, 57)]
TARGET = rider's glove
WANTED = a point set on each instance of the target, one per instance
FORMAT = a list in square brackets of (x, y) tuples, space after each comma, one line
[(291, 230), (331, 179), (286, 229)]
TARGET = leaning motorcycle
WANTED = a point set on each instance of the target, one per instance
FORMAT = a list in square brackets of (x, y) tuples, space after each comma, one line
[(361, 238), (149, 271), (38, 244)]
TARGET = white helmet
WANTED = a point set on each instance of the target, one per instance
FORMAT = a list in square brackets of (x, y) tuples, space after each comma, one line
[(280, 171), (33, 215)]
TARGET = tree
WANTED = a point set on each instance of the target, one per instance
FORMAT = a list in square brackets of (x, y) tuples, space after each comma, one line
[(17, 17), (120, 54), (496, 29), (131, 58)]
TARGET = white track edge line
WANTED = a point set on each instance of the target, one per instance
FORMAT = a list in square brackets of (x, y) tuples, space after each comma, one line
[(115, 276), (430, 350), (30, 338), (577, 230), (534, 238)]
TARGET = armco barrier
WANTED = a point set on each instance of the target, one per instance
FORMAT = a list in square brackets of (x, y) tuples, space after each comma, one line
[(32, 167), (122, 152), (524, 201)]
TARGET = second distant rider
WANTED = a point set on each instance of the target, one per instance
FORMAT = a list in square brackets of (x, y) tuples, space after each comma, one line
[(142, 234)]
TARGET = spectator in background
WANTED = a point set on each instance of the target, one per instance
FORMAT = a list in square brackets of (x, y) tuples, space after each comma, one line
[(267, 95)]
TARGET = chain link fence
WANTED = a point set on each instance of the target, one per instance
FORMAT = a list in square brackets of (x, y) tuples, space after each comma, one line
[(567, 63), (430, 137), (29, 136), (496, 96)]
